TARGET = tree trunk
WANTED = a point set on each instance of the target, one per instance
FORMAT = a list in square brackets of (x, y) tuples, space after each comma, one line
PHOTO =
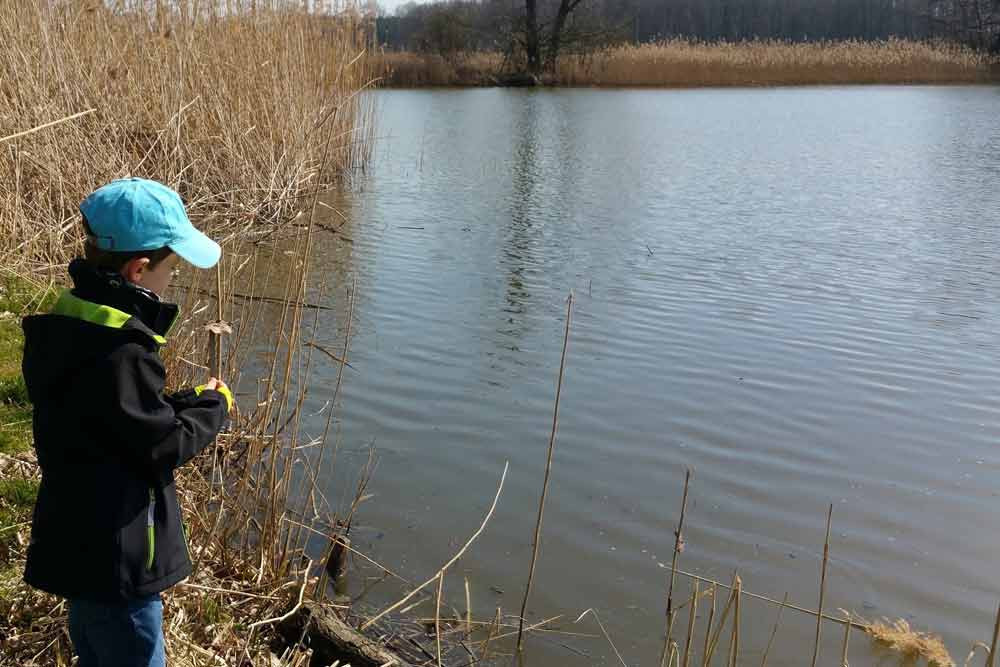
[(555, 40), (331, 639), (531, 45)]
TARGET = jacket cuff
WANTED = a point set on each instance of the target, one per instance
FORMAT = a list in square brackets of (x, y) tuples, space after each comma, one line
[(222, 389)]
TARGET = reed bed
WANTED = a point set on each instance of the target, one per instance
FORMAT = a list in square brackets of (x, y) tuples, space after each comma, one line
[(404, 69), (251, 114), (684, 63), (224, 107)]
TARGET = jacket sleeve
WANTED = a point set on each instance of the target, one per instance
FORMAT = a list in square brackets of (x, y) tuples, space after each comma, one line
[(154, 435), (189, 397)]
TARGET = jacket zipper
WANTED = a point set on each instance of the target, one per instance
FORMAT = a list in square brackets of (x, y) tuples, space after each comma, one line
[(150, 530)]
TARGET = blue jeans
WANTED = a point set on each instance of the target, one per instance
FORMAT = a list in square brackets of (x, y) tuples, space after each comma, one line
[(126, 634)]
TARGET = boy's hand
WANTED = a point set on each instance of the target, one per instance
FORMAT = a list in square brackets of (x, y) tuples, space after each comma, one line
[(220, 386)]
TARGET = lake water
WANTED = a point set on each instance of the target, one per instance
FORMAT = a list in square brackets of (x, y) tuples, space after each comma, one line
[(793, 292)]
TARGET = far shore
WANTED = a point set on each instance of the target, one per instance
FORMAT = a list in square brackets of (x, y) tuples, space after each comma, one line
[(683, 64)]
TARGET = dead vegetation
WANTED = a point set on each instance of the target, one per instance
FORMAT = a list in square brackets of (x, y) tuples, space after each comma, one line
[(228, 109), (682, 63), (912, 645)]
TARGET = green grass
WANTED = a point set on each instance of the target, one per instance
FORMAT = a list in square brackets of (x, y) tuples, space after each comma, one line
[(17, 500), (17, 493), (17, 298)]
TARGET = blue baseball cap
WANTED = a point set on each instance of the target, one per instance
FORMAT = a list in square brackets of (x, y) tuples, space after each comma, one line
[(138, 214)]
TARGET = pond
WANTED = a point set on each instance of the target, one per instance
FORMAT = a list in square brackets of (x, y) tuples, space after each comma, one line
[(793, 292)]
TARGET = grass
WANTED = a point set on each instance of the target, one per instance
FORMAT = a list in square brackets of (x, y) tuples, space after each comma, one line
[(683, 63), (18, 483), (17, 297)]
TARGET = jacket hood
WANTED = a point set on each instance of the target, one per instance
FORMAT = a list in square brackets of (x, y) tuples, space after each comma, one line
[(101, 312)]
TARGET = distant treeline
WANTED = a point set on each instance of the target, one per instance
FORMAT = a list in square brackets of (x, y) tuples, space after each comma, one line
[(451, 26)]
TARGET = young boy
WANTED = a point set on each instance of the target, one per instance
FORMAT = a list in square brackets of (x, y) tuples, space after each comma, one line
[(107, 532)]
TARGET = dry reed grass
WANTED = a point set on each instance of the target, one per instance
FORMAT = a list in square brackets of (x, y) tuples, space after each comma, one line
[(222, 107), (250, 115), (909, 643), (683, 63), (415, 70)]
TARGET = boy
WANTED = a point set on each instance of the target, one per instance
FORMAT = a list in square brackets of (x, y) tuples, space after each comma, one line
[(107, 531)]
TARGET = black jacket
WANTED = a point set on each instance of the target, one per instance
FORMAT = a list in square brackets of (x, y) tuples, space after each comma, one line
[(107, 524)]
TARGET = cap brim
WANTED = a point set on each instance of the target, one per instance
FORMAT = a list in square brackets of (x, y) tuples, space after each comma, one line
[(198, 250)]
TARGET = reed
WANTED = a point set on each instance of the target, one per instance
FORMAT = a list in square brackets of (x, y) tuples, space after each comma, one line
[(548, 471), (401, 69), (223, 107), (690, 629), (822, 585), (678, 547), (993, 643), (684, 63), (681, 63)]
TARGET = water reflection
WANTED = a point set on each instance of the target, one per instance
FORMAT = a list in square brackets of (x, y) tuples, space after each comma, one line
[(793, 291), (521, 240)]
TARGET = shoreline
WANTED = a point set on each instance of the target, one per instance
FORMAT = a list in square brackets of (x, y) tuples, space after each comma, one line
[(708, 86), (680, 64)]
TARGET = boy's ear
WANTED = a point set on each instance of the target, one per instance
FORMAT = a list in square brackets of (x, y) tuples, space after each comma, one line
[(134, 268)]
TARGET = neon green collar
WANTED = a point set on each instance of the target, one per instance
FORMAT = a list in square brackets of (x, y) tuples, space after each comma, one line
[(69, 305)]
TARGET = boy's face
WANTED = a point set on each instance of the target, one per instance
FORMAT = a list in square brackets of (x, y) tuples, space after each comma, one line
[(156, 279)]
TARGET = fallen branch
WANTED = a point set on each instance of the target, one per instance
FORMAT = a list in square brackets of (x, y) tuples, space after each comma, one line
[(367, 624), (47, 125)]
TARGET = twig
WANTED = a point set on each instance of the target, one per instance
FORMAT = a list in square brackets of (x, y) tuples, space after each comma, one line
[(738, 593), (468, 609), (437, 617), (494, 628), (328, 353), (993, 644), (228, 591), (690, 630), (757, 596), (604, 632), (534, 626), (215, 333), (673, 566), (256, 298), (548, 471), (722, 623), (847, 638), (367, 624), (972, 653), (46, 125), (302, 592), (774, 631), (822, 585), (708, 627)]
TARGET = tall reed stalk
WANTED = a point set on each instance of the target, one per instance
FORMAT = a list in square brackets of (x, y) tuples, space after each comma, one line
[(548, 471)]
